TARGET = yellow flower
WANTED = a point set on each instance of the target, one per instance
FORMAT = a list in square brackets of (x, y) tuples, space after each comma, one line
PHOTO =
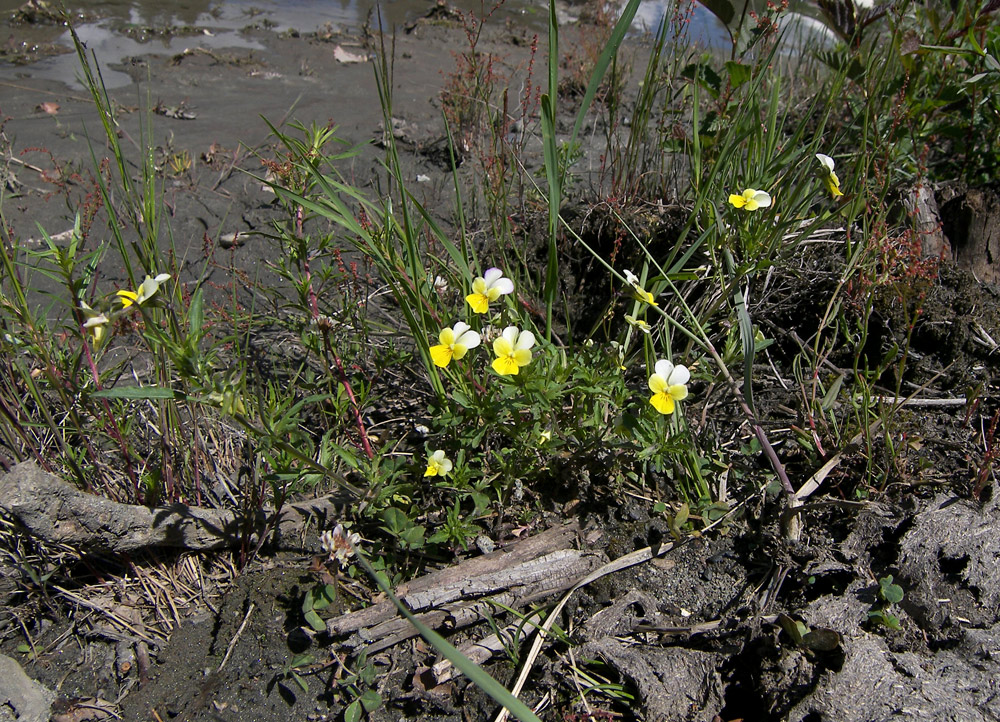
[(95, 323), (545, 437), (146, 290), (638, 323), (828, 175), (455, 342), (669, 385), (750, 200), (488, 288), (640, 293), (438, 464), (512, 348)]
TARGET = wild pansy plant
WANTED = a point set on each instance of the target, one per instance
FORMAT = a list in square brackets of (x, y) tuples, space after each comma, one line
[(750, 200), (488, 288), (828, 175), (455, 343), (669, 385), (513, 351)]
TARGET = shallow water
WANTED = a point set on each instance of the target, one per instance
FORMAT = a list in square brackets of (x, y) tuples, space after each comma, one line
[(215, 24)]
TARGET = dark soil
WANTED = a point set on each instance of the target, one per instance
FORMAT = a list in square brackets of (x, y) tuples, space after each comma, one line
[(700, 633)]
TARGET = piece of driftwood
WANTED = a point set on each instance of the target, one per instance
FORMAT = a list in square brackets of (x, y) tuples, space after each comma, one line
[(457, 596), (56, 511)]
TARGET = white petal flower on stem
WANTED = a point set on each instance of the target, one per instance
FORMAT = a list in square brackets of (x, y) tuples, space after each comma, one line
[(438, 464), (455, 343), (829, 175), (488, 288), (147, 289), (669, 385), (750, 199), (513, 350)]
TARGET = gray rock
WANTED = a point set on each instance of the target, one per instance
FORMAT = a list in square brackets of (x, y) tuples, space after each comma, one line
[(22, 698)]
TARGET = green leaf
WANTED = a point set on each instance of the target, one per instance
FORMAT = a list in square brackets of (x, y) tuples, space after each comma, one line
[(301, 660), (322, 596), (889, 592), (353, 711), (793, 628), (721, 9), (315, 621), (821, 640), (738, 73), (303, 685), (371, 700), (830, 397), (396, 521), (196, 312), (138, 393)]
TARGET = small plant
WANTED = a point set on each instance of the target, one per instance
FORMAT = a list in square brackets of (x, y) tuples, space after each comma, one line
[(887, 596), (355, 688)]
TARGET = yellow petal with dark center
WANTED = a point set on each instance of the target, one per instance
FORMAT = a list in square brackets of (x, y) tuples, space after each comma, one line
[(662, 403), (478, 302), (505, 366), (441, 355)]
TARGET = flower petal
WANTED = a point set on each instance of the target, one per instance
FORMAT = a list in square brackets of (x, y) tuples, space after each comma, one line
[(447, 336), (502, 346), (762, 198), (658, 384), (469, 339), (737, 201), (662, 403), (127, 297), (679, 376), (491, 276), (505, 366), (525, 340), (826, 161), (664, 368), (522, 357), (478, 302), (678, 392), (504, 286), (441, 355)]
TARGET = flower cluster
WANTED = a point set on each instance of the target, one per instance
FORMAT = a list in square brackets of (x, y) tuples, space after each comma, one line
[(339, 545), (512, 348)]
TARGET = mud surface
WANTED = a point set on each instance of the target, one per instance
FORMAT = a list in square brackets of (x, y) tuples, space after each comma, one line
[(738, 624)]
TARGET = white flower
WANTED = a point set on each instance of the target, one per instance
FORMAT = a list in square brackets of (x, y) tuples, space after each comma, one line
[(828, 175), (339, 545)]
